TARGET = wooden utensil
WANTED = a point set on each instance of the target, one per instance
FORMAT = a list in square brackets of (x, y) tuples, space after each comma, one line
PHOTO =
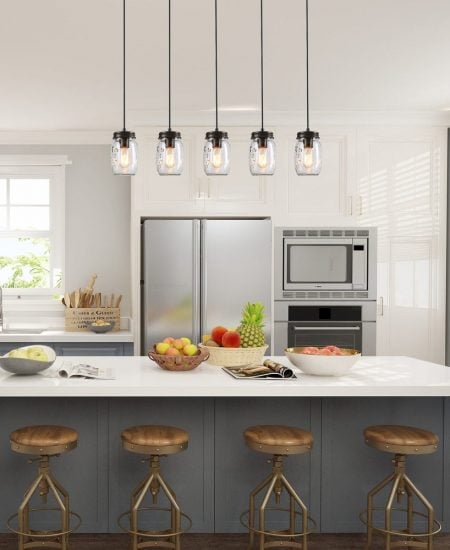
[(77, 298), (118, 300), (90, 286), (67, 299), (72, 299)]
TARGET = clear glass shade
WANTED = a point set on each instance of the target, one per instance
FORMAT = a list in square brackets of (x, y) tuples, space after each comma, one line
[(262, 154), (308, 154), (216, 154), (169, 154), (124, 154)]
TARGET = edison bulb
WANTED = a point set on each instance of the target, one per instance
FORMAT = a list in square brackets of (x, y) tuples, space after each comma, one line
[(217, 157), (262, 157), (170, 157), (124, 157), (308, 157)]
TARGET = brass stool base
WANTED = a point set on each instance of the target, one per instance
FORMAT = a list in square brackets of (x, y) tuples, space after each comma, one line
[(401, 485), (152, 484), (44, 485), (275, 483)]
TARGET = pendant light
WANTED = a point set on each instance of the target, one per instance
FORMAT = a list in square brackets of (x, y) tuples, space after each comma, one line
[(262, 145), (169, 152), (124, 146), (216, 151), (308, 159)]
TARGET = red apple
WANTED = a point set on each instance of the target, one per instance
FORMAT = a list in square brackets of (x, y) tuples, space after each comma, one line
[(217, 334), (231, 339)]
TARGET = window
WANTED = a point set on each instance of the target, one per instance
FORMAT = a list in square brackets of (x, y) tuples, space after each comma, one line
[(31, 228)]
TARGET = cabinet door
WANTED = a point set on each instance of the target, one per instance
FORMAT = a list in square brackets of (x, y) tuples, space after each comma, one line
[(89, 349), (401, 185), (239, 192), (168, 195)]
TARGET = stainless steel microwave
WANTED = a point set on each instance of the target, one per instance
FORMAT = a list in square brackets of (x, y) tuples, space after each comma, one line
[(326, 263)]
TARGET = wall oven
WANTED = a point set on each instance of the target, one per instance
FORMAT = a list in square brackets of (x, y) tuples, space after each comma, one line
[(332, 263), (316, 324)]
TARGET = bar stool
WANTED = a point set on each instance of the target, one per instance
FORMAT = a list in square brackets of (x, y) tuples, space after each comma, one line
[(279, 441), (155, 442), (44, 442), (401, 441)]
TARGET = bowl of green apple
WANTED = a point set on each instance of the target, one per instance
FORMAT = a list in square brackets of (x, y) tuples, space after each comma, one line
[(28, 360)]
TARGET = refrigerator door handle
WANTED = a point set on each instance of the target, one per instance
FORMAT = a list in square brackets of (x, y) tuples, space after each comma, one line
[(203, 275), (196, 289)]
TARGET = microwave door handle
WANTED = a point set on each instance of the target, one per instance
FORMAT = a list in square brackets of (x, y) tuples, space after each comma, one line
[(327, 328)]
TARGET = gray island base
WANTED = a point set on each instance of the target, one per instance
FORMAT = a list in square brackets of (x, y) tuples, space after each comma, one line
[(213, 477)]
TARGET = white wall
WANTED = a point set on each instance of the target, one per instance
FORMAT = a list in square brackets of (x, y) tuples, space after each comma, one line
[(97, 218)]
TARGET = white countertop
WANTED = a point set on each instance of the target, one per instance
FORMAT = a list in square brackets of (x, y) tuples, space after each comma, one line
[(64, 336), (140, 377)]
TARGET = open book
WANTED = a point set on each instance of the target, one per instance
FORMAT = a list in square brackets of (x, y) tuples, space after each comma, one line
[(68, 370), (269, 369)]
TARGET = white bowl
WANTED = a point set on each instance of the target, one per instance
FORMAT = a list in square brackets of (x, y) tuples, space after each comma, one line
[(21, 366), (322, 365)]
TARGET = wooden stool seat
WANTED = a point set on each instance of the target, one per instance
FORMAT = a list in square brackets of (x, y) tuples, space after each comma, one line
[(404, 440), (278, 440), (155, 440), (43, 440)]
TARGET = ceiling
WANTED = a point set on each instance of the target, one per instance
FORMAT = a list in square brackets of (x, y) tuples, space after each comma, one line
[(61, 60)]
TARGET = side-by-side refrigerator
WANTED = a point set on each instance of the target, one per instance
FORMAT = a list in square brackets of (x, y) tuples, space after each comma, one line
[(199, 273)]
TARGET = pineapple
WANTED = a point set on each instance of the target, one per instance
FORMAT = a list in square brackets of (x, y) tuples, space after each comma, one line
[(251, 326)]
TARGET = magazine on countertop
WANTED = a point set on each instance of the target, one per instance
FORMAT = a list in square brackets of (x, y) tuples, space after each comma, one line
[(269, 369), (68, 370)]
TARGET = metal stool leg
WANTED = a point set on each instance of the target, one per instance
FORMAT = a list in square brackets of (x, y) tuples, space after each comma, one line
[(251, 513), (262, 511), (302, 506), (370, 498), (388, 510), (409, 484)]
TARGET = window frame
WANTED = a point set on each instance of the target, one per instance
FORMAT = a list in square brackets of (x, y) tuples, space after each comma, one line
[(53, 169)]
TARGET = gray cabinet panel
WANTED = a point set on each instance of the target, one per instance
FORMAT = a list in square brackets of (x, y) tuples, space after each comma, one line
[(350, 468), (239, 469), (89, 349), (82, 471), (190, 473)]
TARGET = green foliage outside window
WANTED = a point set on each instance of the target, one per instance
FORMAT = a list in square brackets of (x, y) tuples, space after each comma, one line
[(28, 270)]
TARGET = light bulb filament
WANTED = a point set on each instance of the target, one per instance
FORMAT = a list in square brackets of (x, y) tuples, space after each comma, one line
[(170, 157), (262, 157), (308, 157), (124, 157), (217, 157)]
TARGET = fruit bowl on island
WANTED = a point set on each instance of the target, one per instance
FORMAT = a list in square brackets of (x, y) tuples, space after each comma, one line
[(178, 362), (28, 360), (326, 361)]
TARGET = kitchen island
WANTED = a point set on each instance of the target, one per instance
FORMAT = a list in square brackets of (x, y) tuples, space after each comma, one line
[(213, 477)]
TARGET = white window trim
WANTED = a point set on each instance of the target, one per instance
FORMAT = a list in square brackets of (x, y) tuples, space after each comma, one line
[(53, 167)]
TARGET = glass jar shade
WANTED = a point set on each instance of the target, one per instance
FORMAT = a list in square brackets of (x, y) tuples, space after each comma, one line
[(124, 153), (308, 154), (169, 154), (216, 154), (262, 154)]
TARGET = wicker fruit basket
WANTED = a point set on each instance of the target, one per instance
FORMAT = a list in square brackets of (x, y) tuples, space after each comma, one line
[(234, 357), (179, 362)]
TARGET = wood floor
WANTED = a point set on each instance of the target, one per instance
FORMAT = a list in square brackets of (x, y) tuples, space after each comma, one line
[(218, 542)]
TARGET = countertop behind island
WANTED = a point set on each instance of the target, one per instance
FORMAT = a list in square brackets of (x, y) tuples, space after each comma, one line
[(140, 377)]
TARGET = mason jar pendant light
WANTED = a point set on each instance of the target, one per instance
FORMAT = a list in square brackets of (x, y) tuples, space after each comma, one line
[(216, 151), (169, 152), (308, 159), (124, 146), (262, 145)]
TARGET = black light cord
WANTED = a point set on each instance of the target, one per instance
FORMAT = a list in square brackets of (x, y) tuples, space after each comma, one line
[(215, 43), (262, 69), (124, 52), (170, 66), (307, 66)]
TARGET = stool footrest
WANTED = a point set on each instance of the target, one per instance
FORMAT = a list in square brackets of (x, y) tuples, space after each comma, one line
[(154, 534), (436, 524), (282, 534), (33, 534)]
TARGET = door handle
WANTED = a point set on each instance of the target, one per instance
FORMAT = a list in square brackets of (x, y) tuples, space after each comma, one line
[(327, 328)]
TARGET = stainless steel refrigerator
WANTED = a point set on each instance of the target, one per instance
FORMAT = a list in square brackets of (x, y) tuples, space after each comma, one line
[(199, 273)]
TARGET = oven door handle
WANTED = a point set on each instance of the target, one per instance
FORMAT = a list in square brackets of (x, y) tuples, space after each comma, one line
[(327, 328)]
